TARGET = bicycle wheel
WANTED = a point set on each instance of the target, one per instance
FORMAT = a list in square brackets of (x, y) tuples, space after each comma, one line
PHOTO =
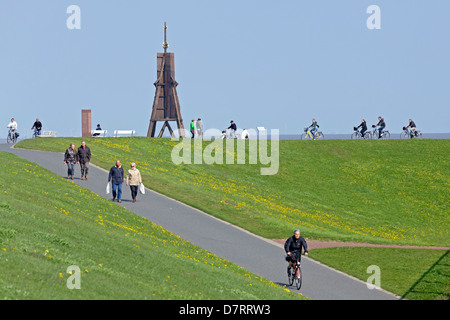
[(386, 135), (298, 278), (320, 135), (9, 139), (368, 135), (355, 135), (291, 278), (404, 135)]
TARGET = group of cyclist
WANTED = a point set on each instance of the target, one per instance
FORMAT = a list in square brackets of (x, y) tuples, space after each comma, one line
[(12, 126), (381, 125)]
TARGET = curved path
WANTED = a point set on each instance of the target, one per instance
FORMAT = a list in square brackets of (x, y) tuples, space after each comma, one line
[(258, 255)]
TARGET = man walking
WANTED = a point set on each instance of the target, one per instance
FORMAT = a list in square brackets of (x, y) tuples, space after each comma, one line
[(84, 157), (71, 158), (192, 128), (116, 179), (199, 126)]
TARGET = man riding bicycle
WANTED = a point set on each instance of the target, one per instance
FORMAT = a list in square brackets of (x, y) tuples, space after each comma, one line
[(363, 127), (313, 128), (293, 247), (412, 127), (37, 126), (12, 126), (381, 124)]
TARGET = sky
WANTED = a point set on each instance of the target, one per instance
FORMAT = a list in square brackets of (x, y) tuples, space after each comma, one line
[(275, 64)]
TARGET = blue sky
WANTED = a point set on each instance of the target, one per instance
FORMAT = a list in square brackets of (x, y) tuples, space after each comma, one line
[(276, 64)]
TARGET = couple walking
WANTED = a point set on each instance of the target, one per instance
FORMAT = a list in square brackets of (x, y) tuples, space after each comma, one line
[(116, 178), (82, 156)]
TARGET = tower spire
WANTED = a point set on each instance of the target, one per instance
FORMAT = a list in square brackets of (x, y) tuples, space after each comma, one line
[(165, 44)]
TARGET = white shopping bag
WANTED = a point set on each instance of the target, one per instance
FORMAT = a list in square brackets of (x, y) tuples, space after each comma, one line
[(108, 188), (142, 188)]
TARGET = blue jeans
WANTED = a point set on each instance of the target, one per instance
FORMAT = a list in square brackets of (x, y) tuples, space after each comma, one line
[(313, 131), (37, 132), (380, 130), (70, 169), (117, 191)]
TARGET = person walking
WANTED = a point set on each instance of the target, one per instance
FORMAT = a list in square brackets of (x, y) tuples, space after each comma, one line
[(199, 126), (71, 159), (115, 177), (134, 179), (192, 128), (84, 158)]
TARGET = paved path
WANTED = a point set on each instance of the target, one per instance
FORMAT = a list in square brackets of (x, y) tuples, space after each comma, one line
[(261, 256)]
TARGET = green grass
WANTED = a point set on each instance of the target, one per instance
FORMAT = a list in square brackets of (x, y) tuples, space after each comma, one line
[(49, 223), (388, 192), (414, 274)]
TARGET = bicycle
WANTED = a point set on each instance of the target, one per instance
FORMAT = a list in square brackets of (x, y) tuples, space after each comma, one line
[(385, 134), (357, 134), (295, 276), (12, 136), (306, 135), (408, 134)]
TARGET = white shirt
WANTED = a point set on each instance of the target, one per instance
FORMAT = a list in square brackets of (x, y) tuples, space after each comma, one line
[(12, 125)]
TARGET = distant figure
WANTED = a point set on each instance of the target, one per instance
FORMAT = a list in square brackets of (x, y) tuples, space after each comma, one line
[(381, 124), (98, 128), (71, 159), (313, 128), (244, 134), (134, 179), (192, 128), (37, 126), (413, 128), (115, 177), (84, 157), (233, 129), (199, 126), (224, 135), (12, 125), (363, 127)]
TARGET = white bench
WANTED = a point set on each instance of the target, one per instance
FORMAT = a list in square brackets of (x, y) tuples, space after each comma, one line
[(99, 133), (124, 132), (45, 134)]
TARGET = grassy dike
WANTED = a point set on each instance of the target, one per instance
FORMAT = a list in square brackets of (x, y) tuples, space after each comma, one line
[(49, 223), (386, 192), (383, 192)]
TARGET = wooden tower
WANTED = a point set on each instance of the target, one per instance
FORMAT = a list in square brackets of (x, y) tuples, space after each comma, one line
[(166, 106)]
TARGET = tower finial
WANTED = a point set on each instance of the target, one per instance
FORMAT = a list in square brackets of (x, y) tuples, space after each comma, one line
[(165, 44)]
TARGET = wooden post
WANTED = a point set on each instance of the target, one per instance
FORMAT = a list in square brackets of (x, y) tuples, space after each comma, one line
[(86, 123)]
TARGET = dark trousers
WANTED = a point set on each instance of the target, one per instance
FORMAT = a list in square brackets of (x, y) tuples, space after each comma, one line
[(84, 169), (134, 191)]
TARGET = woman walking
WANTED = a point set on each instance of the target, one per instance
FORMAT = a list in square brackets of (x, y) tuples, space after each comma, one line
[(71, 159), (134, 179)]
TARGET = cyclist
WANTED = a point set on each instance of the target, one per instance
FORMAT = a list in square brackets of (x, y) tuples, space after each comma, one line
[(37, 126), (313, 128), (363, 127), (293, 246), (412, 126), (381, 124), (12, 126)]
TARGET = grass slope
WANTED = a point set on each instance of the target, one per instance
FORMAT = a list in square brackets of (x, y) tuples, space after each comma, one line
[(392, 192), (49, 223)]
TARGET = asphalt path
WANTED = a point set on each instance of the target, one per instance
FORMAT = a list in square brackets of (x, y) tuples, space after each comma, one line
[(256, 254)]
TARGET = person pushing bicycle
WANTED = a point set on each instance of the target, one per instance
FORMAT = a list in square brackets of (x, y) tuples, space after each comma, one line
[(293, 247)]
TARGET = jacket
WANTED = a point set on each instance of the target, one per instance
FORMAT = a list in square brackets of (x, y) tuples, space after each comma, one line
[(84, 154), (295, 245), (116, 175), (71, 156), (134, 177)]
